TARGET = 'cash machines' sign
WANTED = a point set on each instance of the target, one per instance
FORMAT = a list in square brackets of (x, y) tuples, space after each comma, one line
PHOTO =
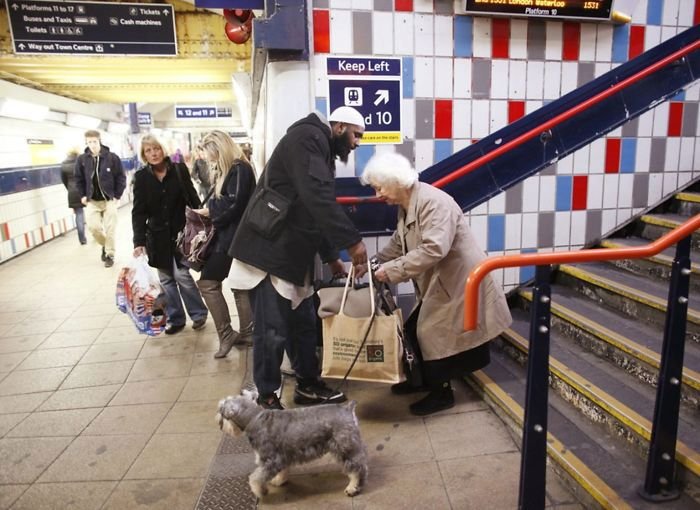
[(92, 28), (373, 87)]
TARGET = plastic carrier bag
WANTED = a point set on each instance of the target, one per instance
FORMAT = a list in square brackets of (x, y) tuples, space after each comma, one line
[(141, 296)]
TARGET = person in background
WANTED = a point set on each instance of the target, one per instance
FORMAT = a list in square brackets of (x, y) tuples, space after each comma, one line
[(278, 270), (162, 189), (200, 171), (434, 247), (234, 183), (74, 202), (100, 180)]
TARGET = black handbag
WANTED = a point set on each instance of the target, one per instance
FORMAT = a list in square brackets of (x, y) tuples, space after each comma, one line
[(266, 211)]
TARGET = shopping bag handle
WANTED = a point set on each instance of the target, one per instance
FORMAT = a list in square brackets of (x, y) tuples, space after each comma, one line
[(351, 278)]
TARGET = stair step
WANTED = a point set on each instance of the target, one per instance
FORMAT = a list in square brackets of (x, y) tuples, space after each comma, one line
[(658, 266), (627, 401), (632, 346), (688, 196), (596, 459), (653, 226), (687, 203), (619, 289)]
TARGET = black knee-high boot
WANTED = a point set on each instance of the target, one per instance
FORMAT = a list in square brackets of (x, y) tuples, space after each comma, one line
[(440, 397)]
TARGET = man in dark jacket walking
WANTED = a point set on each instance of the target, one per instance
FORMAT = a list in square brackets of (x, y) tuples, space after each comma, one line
[(68, 180), (100, 180), (278, 269)]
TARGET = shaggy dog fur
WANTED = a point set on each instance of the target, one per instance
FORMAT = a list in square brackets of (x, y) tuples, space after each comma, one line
[(281, 439)]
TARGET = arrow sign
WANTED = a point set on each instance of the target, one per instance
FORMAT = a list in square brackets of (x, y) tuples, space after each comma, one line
[(382, 97)]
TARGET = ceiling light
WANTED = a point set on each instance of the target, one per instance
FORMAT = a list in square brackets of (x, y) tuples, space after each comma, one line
[(118, 128), (82, 121), (22, 110)]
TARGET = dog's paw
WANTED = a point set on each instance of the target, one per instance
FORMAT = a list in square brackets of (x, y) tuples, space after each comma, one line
[(280, 479), (257, 488), (352, 490)]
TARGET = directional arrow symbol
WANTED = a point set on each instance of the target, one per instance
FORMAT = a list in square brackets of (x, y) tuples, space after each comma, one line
[(21, 46), (15, 7), (382, 97)]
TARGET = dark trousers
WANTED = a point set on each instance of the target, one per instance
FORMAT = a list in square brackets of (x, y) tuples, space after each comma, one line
[(277, 327)]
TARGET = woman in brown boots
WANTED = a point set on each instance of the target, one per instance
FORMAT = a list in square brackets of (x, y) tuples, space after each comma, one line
[(233, 185)]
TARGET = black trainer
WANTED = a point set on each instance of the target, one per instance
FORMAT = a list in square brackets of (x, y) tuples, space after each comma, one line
[(270, 402), (437, 400), (317, 393), (109, 261), (103, 257)]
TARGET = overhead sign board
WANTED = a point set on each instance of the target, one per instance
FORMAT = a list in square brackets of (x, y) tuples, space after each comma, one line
[(92, 28), (203, 112), (373, 87), (579, 9), (145, 118)]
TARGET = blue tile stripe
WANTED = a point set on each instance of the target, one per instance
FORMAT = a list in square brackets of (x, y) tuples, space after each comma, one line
[(527, 272), (621, 43), (321, 105), (442, 150), (563, 196), (628, 155), (655, 9), (463, 34), (362, 155), (496, 233), (407, 80)]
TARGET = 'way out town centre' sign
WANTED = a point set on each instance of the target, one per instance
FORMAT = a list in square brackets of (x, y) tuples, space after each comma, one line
[(373, 87)]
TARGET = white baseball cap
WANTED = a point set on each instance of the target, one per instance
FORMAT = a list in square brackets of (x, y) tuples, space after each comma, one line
[(348, 115)]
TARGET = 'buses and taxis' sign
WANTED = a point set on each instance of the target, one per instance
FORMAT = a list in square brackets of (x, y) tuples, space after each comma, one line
[(580, 9)]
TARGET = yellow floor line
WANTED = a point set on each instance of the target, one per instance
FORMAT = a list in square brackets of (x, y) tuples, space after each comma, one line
[(584, 476), (640, 425), (688, 197), (624, 290), (690, 378)]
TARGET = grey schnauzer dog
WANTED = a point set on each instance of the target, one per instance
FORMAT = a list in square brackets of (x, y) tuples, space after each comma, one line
[(281, 439)]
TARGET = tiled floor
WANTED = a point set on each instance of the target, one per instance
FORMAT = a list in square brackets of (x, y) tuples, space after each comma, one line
[(95, 416)]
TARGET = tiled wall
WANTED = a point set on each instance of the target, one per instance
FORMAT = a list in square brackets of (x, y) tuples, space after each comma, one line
[(465, 77)]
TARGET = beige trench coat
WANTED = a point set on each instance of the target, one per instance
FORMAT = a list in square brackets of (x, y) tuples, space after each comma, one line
[(434, 247)]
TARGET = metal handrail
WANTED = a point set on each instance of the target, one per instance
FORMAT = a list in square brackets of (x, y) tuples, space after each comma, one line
[(471, 288), (536, 131)]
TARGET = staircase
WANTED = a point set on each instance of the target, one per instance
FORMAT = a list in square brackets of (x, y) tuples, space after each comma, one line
[(606, 336)]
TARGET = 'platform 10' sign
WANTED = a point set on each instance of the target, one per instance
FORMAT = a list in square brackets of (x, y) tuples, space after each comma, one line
[(373, 87)]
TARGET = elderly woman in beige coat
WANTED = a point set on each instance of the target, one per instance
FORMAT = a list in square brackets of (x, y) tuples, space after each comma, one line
[(434, 247)]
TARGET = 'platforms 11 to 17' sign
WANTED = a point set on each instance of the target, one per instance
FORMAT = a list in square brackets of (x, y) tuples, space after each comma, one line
[(373, 87)]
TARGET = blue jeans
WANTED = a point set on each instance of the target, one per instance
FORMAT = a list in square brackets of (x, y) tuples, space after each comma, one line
[(277, 327), (80, 224), (178, 282)]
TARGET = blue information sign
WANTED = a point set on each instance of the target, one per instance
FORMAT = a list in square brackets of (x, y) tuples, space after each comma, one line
[(373, 87), (195, 112), (145, 118)]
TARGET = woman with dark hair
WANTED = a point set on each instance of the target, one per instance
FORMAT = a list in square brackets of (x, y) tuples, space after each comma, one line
[(233, 185), (162, 189)]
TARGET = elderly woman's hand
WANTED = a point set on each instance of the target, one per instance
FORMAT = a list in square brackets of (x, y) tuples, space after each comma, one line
[(139, 250), (380, 275)]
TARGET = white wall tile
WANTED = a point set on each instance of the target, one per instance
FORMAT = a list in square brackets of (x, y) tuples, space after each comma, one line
[(364, 5), (341, 31), (652, 37), (382, 33), (516, 84), (581, 164), (673, 150), (460, 144), (610, 190), (479, 227), (461, 118), (480, 118), (552, 80), (497, 204), (578, 228), (444, 38), (320, 76), (513, 231), (443, 78), (403, 33), (566, 166), (623, 215), (639, 13), (645, 124), (499, 115), (668, 32), (531, 106), (602, 68), (569, 77), (692, 93), (685, 13), (530, 228), (424, 154), (594, 197), (669, 14), (535, 80), (603, 50), (587, 47), (684, 178), (686, 154), (626, 187), (562, 228), (656, 182), (423, 5), (408, 118), (660, 126), (463, 78), (424, 34), (548, 185), (518, 39), (423, 72), (531, 194), (608, 220), (481, 47), (499, 79), (554, 38), (670, 182), (596, 156)]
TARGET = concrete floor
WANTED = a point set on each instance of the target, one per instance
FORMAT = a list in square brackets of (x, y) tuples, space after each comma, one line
[(95, 416)]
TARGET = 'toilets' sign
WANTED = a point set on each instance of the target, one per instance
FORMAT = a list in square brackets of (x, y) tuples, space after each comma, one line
[(373, 87)]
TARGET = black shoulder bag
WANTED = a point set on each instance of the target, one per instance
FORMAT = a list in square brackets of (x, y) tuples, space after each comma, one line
[(266, 210)]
